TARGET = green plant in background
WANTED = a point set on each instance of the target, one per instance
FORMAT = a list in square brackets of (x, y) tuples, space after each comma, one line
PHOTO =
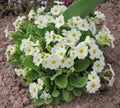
[(60, 53)]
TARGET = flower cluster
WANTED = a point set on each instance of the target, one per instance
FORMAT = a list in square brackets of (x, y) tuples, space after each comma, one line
[(60, 59)]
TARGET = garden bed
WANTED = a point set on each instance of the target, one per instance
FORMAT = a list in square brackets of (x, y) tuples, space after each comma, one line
[(13, 93)]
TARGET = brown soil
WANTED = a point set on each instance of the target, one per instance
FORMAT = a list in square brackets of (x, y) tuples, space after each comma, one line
[(13, 93)]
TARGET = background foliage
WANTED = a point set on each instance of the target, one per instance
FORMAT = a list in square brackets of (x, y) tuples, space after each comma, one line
[(16, 7)]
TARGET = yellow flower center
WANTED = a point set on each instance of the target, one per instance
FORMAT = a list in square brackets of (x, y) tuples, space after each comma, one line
[(83, 25), (63, 61), (60, 21), (93, 85), (81, 51), (61, 53), (74, 35), (69, 41), (34, 90), (41, 22), (54, 62), (93, 77), (98, 66), (94, 51), (38, 60)]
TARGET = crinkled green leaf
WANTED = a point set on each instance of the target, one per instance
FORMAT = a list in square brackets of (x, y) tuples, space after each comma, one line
[(78, 82), (81, 8), (49, 101), (61, 81), (69, 87), (77, 92), (67, 95), (28, 62), (38, 102), (55, 93), (31, 76), (81, 65)]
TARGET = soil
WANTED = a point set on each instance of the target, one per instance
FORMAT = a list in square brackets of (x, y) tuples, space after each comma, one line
[(13, 93)]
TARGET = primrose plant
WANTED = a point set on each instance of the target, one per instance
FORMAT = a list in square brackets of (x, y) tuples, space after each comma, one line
[(59, 59)]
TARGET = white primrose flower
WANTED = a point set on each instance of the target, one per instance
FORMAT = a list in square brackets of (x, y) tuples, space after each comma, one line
[(49, 18), (53, 62), (58, 38), (24, 72), (69, 41), (74, 34), (94, 77), (18, 72), (99, 15), (33, 89), (45, 64), (29, 51), (77, 19), (45, 95), (36, 50), (18, 22), (11, 49), (41, 21), (55, 10), (83, 25), (63, 63), (41, 9), (64, 32), (94, 51), (37, 59), (110, 37), (59, 21), (98, 66), (40, 84), (101, 36), (49, 36), (101, 56), (93, 86), (26, 43), (73, 54), (69, 62), (46, 56), (105, 36), (71, 23), (31, 15), (60, 52), (81, 50), (92, 27), (63, 8), (57, 46), (89, 41), (113, 75)]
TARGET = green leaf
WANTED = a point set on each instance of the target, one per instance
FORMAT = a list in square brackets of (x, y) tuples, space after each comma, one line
[(67, 95), (56, 101), (61, 81), (69, 87), (28, 62), (31, 76), (81, 8), (38, 102), (59, 72), (49, 101), (15, 62), (78, 82), (55, 93), (81, 65), (77, 92)]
